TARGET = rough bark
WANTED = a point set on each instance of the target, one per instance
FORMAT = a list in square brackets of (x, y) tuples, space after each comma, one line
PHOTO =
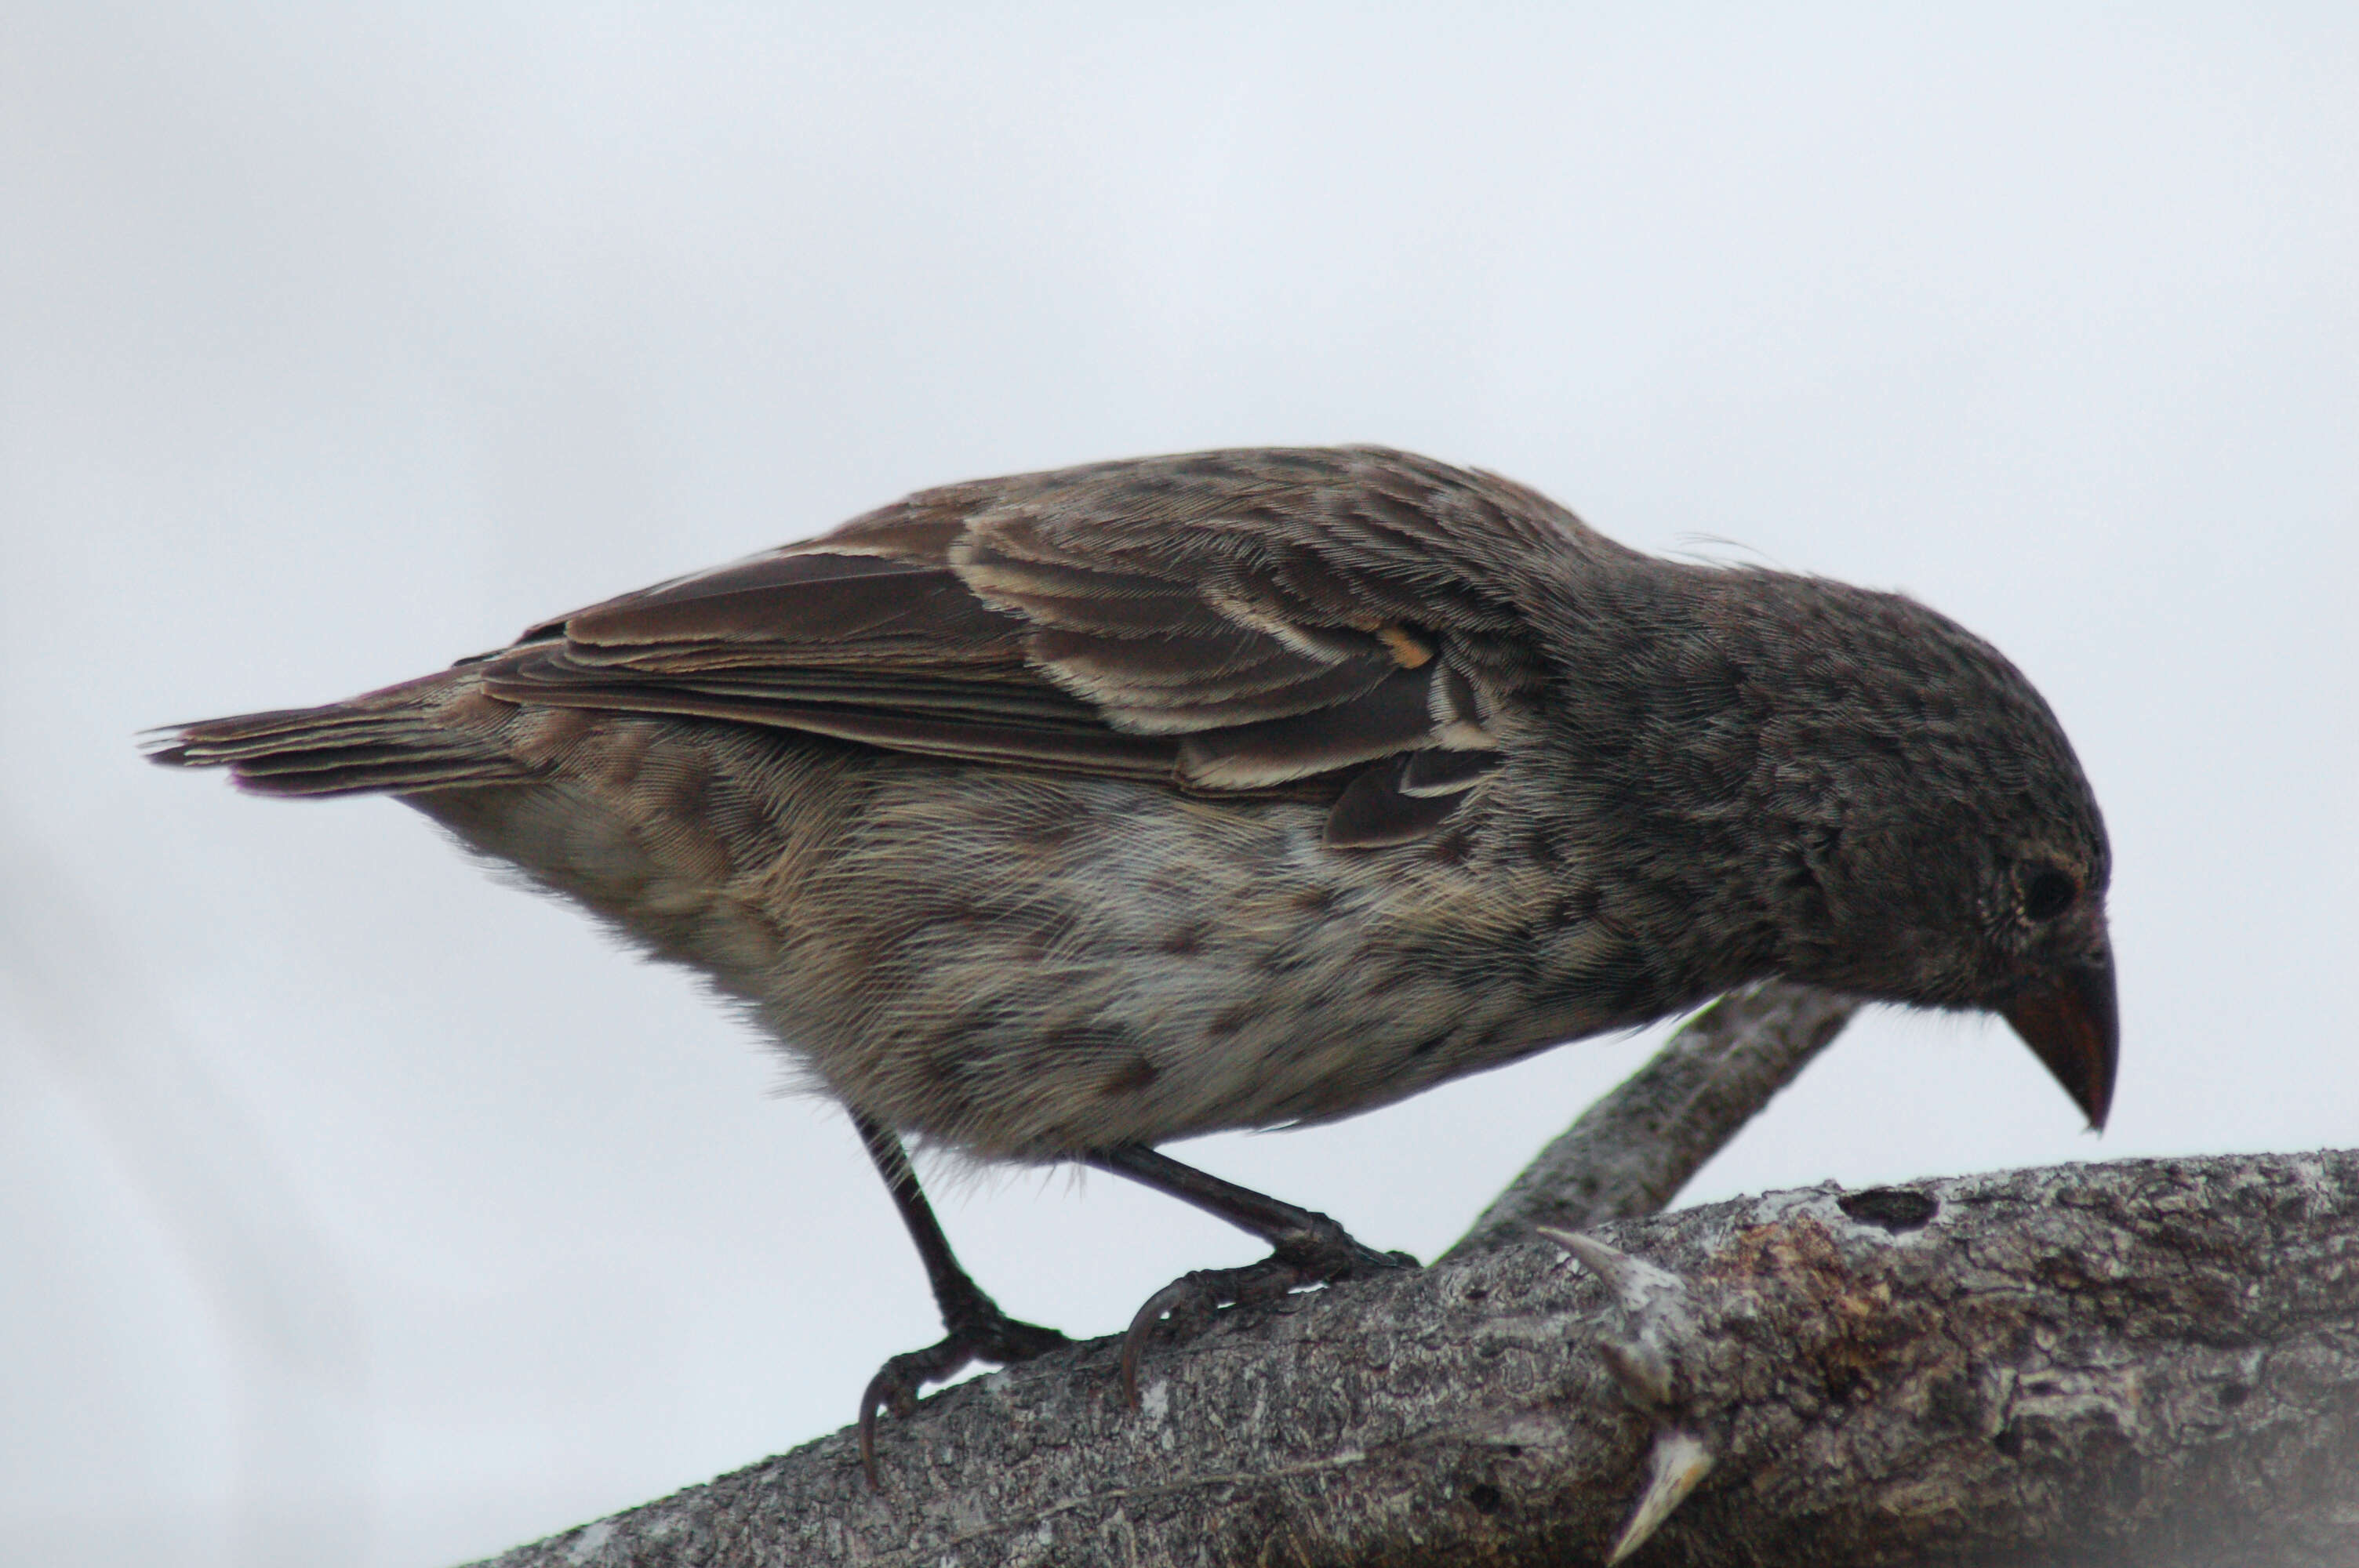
[(2151, 1362), (2154, 1362)]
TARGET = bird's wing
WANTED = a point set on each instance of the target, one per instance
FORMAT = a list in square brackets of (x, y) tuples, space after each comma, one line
[(1340, 621)]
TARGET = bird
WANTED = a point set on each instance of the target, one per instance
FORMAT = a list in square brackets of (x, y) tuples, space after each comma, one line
[(1054, 817)]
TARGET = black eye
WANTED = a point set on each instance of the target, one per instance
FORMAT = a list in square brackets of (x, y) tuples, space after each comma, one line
[(2047, 892)]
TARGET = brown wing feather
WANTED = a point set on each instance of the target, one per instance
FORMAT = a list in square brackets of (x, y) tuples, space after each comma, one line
[(1233, 622)]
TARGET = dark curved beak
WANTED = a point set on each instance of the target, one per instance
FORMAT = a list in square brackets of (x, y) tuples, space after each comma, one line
[(2071, 1024)]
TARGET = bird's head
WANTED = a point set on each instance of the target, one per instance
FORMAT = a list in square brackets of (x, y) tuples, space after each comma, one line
[(1952, 853)]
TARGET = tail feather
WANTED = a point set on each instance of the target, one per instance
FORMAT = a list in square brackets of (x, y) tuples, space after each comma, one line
[(397, 741)]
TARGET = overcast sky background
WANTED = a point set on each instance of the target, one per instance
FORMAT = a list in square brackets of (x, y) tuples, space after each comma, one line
[(360, 1209)]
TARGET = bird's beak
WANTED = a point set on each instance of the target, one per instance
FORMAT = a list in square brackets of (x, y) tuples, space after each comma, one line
[(2070, 1023)]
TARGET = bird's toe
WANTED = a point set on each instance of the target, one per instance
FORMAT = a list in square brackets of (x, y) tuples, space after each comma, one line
[(1321, 1256), (990, 1335)]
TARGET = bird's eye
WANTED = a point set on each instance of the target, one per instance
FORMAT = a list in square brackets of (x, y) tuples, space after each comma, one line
[(2047, 892)]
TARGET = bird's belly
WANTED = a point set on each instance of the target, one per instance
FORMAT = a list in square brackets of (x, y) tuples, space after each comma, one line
[(1026, 967), (1032, 965)]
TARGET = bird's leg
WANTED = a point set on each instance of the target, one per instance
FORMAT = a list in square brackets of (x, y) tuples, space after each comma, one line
[(977, 1329), (1307, 1248)]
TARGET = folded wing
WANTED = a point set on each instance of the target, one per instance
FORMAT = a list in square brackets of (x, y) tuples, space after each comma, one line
[(1337, 622)]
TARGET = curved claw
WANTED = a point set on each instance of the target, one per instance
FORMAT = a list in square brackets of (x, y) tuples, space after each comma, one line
[(998, 1339), (1206, 1291), (1319, 1258), (1174, 1297), (896, 1387), (882, 1391)]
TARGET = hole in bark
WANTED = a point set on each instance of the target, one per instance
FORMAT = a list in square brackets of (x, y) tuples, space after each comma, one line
[(1894, 1209), (1485, 1498), (2009, 1441), (1478, 1292), (2233, 1395)]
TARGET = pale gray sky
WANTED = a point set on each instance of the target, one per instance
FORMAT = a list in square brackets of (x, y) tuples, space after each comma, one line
[(359, 1209)]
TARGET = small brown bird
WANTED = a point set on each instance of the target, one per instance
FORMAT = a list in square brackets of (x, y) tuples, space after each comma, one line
[(1056, 817)]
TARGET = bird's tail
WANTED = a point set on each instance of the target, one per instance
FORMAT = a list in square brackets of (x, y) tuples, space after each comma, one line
[(436, 733)]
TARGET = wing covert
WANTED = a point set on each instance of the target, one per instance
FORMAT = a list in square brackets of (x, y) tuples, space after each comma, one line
[(1227, 622)]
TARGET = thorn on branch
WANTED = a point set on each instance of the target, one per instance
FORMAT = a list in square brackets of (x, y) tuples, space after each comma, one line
[(1678, 1462), (1656, 1324)]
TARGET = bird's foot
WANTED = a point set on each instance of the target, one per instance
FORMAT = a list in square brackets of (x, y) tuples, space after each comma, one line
[(1656, 1324), (982, 1333), (1319, 1254)]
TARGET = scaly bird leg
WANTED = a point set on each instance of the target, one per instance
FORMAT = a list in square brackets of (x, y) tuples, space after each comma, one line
[(977, 1329), (1307, 1248)]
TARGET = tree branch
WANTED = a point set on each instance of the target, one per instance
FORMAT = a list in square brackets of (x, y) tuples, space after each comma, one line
[(1631, 1152), (2152, 1362)]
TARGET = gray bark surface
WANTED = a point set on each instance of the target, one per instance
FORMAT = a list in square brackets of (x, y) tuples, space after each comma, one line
[(2151, 1362)]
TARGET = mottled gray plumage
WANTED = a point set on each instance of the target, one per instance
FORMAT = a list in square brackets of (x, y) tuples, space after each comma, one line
[(1064, 815)]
